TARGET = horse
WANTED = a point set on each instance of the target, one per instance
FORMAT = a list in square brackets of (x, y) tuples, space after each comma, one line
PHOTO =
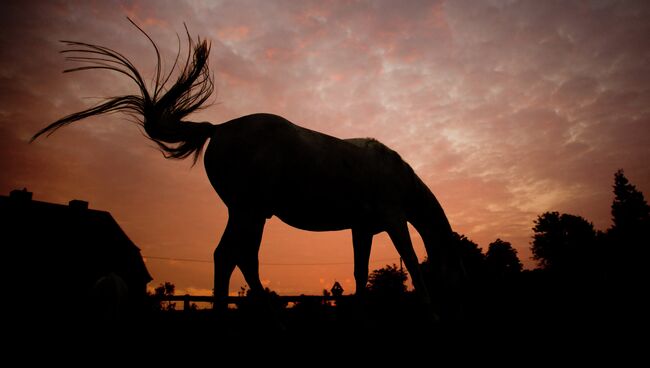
[(262, 165)]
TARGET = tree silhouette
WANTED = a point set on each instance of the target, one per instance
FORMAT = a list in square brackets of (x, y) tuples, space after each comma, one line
[(472, 256), (630, 211), (501, 260), (563, 243), (389, 281), (161, 293), (628, 240), (326, 295)]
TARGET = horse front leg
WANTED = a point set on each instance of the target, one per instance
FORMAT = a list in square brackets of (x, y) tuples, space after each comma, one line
[(399, 235), (361, 243)]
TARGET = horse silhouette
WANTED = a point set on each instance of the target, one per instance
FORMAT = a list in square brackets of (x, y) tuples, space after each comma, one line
[(262, 165)]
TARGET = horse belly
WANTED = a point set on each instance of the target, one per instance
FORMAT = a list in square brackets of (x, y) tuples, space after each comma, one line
[(326, 212), (317, 218)]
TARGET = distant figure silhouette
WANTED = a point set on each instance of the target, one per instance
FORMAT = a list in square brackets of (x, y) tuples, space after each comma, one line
[(263, 165), (337, 289)]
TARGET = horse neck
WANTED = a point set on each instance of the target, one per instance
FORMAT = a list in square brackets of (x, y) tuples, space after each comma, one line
[(429, 219)]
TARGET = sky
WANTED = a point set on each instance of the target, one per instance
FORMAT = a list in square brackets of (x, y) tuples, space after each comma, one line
[(506, 110)]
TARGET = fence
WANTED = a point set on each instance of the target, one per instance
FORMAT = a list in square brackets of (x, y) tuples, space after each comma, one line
[(188, 299)]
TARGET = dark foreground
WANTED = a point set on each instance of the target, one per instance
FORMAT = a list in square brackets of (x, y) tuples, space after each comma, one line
[(574, 324)]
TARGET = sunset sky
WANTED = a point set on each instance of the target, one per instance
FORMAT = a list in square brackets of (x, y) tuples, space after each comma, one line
[(506, 109)]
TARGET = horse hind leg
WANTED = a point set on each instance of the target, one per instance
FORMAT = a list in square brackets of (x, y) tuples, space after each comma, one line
[(249, 236), (239, 246)]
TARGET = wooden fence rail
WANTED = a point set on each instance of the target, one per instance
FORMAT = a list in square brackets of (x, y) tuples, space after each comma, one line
[(188, 299)]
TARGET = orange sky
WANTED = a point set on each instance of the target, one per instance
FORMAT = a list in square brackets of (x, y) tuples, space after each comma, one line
[(506, 109)]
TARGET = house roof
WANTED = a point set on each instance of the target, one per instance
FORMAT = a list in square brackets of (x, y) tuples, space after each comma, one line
[(71, 242)]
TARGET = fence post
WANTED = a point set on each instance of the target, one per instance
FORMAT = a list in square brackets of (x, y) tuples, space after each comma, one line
[(186, 303)]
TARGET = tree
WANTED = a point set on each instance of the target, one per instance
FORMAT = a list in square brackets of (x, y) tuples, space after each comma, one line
[(389, 281), (471, 255), (628, 240), (326, 295), (630, 211), (563, 243), (501, 260), (161, 295)]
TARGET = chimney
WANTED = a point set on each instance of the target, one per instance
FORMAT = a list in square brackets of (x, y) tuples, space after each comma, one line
[(21, 195), (78, 205)]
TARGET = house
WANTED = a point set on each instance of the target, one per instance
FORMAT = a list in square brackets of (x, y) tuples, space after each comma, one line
[(68, 261)]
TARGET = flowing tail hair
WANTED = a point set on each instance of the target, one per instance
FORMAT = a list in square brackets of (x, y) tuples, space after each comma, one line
[(160, 111)]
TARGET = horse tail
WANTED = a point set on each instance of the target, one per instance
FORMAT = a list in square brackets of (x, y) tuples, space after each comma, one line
[(159, 111)]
